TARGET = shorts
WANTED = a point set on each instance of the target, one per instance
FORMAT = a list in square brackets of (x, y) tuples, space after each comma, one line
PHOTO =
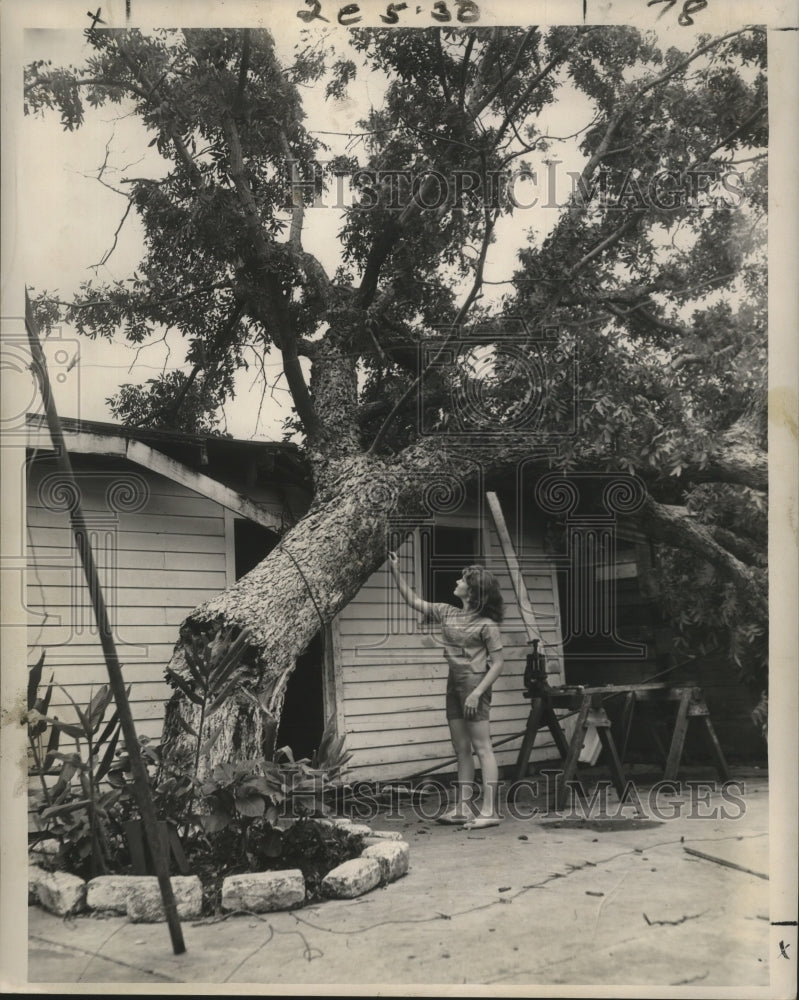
[(462, 680)]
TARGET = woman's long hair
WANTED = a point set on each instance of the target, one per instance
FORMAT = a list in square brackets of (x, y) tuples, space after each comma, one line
[(484, 595)]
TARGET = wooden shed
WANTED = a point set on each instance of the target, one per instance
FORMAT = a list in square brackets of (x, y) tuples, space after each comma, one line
[(176, 518)]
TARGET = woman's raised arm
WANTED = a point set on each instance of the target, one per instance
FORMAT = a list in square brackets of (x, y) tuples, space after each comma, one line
[(408, 595)]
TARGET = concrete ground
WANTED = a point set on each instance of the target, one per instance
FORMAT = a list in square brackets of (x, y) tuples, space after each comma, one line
[(534, 902)]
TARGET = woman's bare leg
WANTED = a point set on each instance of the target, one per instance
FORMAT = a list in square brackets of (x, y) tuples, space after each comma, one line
[(480, 739), (462, 746)]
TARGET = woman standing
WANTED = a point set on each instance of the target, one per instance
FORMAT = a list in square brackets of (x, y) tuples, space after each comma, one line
[(473, 650)]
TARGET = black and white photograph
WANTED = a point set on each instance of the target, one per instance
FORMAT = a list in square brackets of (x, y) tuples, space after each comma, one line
[(399, 498)]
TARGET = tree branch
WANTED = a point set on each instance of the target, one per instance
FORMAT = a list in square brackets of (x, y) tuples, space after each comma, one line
[(555, 61), (220, 342), (742, 548), (739, 459), (609, 241), (440, 66), (511, 69), (169, 127), (277, 313), (244, 65), (462, 313), (675, 526), (146, 303), (464, 69), (678, 67)]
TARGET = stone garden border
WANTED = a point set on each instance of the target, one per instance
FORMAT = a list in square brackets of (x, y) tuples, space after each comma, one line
[(384, 858)]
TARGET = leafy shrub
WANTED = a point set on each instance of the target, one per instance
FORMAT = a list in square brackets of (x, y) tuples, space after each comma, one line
[(316, 848), (227, 819), (76, 810)]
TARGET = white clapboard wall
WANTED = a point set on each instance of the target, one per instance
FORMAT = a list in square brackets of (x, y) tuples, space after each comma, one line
[(160, 561), (157, 563), (394, 677)]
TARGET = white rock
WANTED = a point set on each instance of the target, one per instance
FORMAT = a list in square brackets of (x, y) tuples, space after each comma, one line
[(58, 892), (357, 829), (33, 874), (385, 834), (260, 892), (144, 904), (45, 848), (110, 892), (353, 878), (392, 856)]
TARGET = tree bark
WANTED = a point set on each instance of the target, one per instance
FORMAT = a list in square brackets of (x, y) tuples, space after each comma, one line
[(314, 571), (322, 562), (676, 527)]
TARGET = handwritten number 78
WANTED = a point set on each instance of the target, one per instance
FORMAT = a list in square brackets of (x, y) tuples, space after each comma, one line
[(688, 8)]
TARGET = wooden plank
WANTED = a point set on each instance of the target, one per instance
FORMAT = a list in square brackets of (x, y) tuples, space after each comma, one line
[(723, 861), (95, 502), (612, 758), (333, 701), (401, 649), (424, 714), (82, 650), (517, 580), (148, 691), (575, 746), (230, 548), (51, 557), (420, 670), (131, 580), (400, 770), (186, 598), (82, 443), (400, 688), (411, 736), (135, 541), (403, 762), (678, 737), (531, 729), (621, 571), (376, 585), (715, 749), (86, 673), (372, 618), (148, 457), (145, 522), (358, 708)]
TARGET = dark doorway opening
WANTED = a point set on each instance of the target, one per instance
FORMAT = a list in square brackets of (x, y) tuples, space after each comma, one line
[(302, 718)]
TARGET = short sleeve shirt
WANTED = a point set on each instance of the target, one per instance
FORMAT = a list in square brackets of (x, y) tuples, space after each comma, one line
[(468, 638)]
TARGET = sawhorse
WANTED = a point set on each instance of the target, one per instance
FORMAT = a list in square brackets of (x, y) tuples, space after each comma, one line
[(587, 703), (690, 705)]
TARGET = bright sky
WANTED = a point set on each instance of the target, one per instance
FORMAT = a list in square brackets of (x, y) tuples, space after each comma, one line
[(73, 219)]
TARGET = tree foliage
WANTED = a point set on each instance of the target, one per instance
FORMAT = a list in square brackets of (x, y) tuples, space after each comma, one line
[(649, 266)]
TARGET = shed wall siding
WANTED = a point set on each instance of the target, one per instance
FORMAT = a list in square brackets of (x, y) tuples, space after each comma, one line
[(394, 674), (156, 565)]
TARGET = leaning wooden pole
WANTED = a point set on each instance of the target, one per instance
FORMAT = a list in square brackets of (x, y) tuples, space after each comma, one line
[(141, 781)]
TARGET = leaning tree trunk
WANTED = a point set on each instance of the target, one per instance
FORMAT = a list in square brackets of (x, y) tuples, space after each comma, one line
[(676, 527), (313, 572)]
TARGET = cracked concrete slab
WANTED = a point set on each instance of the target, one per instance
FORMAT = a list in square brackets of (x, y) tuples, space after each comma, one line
[(529, 903)]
